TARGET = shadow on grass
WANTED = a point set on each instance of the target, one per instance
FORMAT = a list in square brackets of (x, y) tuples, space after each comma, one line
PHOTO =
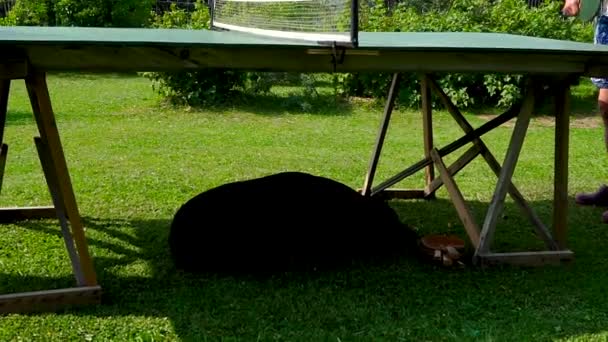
[(19, 117), (93, 75), (584, 106), (406, 299), (274, 104), (581, 105), (583, 100)]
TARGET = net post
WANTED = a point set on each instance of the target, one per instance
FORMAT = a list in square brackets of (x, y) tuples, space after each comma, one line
[(211, 5), (354, 22)]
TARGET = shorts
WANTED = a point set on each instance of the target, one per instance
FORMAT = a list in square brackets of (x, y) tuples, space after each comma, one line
[(601, 37)]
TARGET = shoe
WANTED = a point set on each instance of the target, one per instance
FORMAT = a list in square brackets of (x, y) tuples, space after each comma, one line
[(598, 198)]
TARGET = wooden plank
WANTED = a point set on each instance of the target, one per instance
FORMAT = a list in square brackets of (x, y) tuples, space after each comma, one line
[(51, 180), (456, 166), (401, 176), (389, 194), (449, 106), (5, 86), (540, 258), (479, 132), (518, 198), (596, 69), (451, 147), (11, 69), (504, 179), (166, 58), (457, 199), (494, 165), (560, 199), (8, 215), (47, 126), (3, 156), (49, 300), (386, 118), (427, 131)]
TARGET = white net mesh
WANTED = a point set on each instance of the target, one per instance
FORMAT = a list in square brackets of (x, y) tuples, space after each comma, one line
[(319, 20)]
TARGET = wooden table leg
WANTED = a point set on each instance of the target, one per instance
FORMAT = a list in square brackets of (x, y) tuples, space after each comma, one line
[(47, 126), (456, 166), (560, 187), (451, 147), (5, 86), (457, 199), (388, 111), (493, 163), (504, 180), (427, 131), (51, 180)]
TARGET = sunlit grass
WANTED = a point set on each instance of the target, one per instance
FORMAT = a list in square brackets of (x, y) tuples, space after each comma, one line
[(133, 161)]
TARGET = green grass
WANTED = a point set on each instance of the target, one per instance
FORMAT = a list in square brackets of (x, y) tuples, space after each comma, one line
[(134, 161)]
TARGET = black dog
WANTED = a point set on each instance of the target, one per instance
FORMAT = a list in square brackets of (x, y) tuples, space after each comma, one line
[(282, 222)]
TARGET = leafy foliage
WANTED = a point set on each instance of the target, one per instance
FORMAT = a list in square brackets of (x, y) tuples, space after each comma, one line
[(214, 86), (466, 90), (31, 13), (93, 13), (179, 18), (500, 16), (207, 86), (134, 163), (131, 13), (195, 88)]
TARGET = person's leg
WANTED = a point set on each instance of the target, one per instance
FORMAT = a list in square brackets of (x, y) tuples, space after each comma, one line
[(600, 197), (603, 107)]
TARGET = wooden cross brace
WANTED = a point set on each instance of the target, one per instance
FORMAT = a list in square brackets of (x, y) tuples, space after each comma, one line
[(481, 239)]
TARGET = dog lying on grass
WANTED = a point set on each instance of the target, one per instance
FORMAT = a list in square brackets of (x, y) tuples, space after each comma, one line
[(289, 221)]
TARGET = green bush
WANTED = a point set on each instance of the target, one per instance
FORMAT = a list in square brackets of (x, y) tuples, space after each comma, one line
[(214, 86), (32, 13), (195, 88), (93, 13), (99, 13), (180, 18), (202, 87), (501, 16)]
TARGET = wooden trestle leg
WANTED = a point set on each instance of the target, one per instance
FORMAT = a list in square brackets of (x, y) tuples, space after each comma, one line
[(385, 192), (65, 209), (4, 92), (49, 135), (482, 240), (427, 131), (388, 111)]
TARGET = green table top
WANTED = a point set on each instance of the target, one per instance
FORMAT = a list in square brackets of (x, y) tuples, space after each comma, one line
[(205, 38), (78, 48)]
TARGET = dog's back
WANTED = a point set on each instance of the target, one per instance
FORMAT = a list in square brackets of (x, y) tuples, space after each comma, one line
[(283, 222)]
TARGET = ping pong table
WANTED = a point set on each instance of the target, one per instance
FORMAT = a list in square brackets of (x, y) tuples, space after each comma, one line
[(28, 53)]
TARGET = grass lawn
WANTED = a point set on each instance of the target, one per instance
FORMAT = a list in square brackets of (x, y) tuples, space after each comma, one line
[(134, 161)]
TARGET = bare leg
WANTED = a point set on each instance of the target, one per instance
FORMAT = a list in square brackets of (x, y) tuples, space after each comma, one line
[(600, 197), (602, 101)]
